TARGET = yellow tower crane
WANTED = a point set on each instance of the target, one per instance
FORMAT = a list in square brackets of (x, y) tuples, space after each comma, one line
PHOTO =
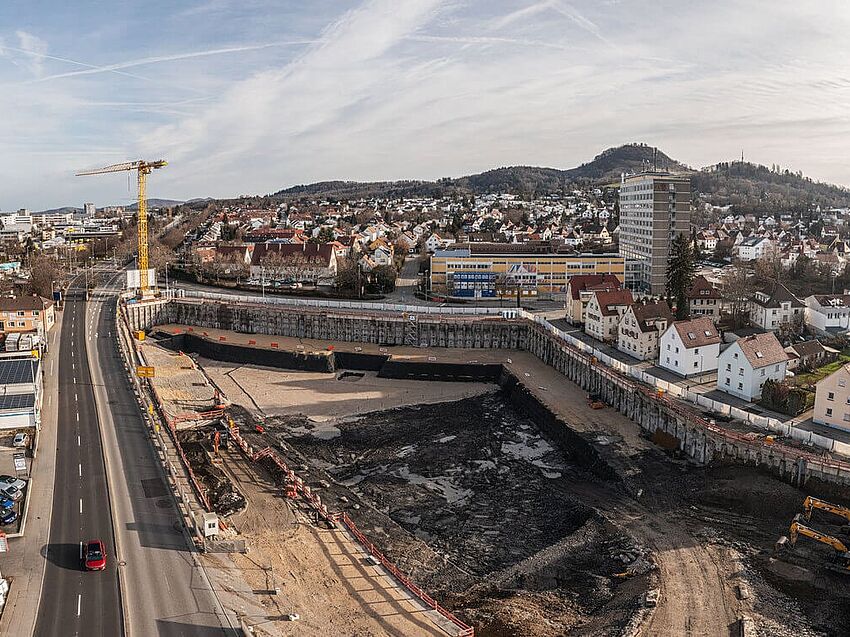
[(143, 168)]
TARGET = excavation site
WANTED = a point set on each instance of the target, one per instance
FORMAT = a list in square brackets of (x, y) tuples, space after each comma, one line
[(509, 498)]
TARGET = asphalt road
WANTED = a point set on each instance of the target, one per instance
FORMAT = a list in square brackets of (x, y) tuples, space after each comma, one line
[(104, 452), (166, 592), (73, 601)]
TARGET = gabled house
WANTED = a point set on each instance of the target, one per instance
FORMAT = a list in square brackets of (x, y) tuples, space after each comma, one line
[(703, 299), (603, 313), (641, 328), (580, 289), (747, 363), (832, 399), (769, 310), (690, 347)]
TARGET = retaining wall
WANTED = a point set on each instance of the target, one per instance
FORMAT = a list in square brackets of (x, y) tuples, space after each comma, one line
[(698, 438)]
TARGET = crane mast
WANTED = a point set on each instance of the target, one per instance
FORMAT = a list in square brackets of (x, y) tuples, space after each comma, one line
[(143, 169)]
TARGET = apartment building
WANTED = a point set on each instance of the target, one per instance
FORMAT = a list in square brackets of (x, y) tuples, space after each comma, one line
[(26, 314), (654, 208), (494, 270)]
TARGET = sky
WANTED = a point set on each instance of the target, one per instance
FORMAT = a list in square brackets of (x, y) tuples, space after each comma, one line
[(251, 96)]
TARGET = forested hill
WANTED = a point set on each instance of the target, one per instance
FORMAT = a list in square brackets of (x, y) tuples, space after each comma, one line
[(748, 187)]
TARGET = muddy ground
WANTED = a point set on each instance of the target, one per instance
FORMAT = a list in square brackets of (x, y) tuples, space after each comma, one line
[(476, 505), (506, 541)]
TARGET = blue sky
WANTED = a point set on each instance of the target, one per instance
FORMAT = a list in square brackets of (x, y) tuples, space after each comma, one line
[(249, 96)]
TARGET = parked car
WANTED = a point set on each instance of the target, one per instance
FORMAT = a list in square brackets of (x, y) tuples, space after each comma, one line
[(12, 481), (6, 503), (21, 440), (94, 556), (8, 491), (8, 516)]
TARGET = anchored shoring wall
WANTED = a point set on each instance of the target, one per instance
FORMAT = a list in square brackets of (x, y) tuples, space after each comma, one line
[(700, 439)]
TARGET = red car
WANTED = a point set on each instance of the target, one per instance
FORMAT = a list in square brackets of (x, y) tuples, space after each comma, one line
[(94, 556)]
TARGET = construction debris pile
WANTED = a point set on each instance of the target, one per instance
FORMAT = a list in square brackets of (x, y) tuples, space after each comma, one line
[(199, 447)]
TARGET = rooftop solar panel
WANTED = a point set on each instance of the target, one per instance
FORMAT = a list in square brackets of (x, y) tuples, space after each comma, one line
[(16, 370), (17, 401)]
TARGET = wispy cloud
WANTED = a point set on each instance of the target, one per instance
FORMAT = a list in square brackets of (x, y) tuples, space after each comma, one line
[(120, 66)]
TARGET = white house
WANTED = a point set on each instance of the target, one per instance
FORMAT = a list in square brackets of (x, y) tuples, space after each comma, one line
[(832, 399), (769, 310), (747, 363), (753, 248), (690, 347), (641, 327), (603, 313), (828, 312)]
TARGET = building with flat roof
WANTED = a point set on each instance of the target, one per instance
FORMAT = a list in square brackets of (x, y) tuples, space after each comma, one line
[(495, 270), (654, 208)]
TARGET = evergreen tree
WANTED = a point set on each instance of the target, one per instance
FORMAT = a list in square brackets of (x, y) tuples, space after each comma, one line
[(681, 269)]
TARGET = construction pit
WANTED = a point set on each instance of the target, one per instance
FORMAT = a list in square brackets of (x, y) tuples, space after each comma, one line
[(511, 529)]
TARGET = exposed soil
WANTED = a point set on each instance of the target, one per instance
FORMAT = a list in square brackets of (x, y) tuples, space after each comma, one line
[(471, 500)]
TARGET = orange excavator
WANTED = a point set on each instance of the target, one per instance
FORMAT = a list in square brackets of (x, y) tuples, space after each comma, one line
[(810, 504), (841, 554)]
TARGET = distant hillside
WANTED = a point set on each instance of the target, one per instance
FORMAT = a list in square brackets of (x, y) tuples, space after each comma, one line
[(755, 188), (748, 187), (156, 203)]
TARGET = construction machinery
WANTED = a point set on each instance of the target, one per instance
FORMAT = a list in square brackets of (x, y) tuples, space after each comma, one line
[(810, 504), (143, 169), (840, 555)]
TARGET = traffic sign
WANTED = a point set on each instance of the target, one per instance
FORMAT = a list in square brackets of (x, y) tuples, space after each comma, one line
[(143, 371)]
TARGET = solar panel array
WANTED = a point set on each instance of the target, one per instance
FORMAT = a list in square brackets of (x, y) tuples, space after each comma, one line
[(17, 401), (16, 370)]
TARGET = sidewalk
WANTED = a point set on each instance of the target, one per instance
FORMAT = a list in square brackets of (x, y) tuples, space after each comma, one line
[(24, 564)]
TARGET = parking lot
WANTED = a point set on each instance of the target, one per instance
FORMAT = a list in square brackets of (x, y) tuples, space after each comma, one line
[(11, 464)]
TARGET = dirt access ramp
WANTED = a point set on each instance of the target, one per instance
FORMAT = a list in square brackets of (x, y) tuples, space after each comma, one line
[(323, 574)]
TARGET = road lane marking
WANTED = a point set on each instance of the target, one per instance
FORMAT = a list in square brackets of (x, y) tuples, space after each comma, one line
[(79, 604), (81, 506)]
